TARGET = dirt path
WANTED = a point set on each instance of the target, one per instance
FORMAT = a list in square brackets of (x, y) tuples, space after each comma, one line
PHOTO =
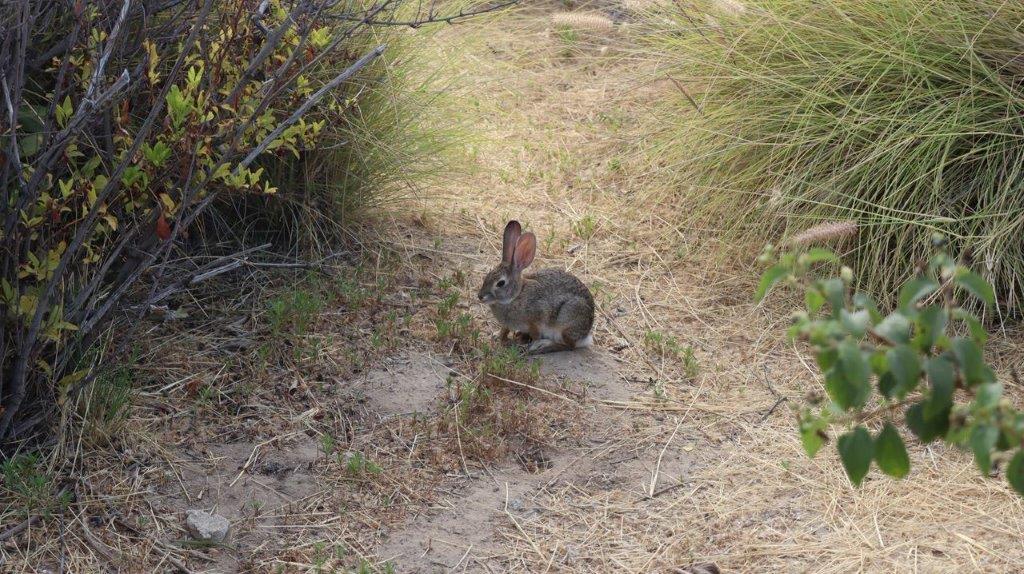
[(690, 454), (671, 443)]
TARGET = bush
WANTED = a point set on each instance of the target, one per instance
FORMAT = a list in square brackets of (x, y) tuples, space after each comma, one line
[(922, 357), (905, 117), (382, 142), (124, 122)]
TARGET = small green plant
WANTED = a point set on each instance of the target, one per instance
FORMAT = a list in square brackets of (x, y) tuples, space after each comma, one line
[(328, 444), (320, 557), (924, 361), (25, 479), (567, 35), (509, 363), (257, 506), (584, 227), (451, 325), (108, 398), (669, 346), (358, 465), (294, 312)]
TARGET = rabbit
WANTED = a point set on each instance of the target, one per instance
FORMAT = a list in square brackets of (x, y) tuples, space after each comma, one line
[(551, 306)]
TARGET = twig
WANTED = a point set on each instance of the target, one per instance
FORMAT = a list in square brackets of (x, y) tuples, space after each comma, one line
[(458, 439), (531, 387), (768, 383), (432, 18), (665, 489), (213, 268), (215, 272), (18, 528), (466, 553), (657, 467), (520, 528), (778, 402), (111, 555)]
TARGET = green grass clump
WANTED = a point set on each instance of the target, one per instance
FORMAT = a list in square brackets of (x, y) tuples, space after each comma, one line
[(906, 117), (384, 140)]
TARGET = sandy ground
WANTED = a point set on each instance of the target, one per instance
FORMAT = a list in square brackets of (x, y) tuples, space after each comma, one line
[(677, 470), (650, 460)]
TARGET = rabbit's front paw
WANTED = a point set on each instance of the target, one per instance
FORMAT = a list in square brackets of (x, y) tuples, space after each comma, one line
[(523, 338), (539, 346)]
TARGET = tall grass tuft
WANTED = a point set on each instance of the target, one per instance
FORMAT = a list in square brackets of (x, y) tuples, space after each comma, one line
[(904, 117), (386, 138)]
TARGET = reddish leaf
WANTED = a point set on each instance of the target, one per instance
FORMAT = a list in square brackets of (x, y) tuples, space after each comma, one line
[(163, 230), (192, 387)]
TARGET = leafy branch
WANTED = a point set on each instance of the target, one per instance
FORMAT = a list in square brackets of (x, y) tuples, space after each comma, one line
[(120, 129), (924, 361)]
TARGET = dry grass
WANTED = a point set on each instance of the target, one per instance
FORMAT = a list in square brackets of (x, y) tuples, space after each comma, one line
[(565, 151), (593, 22), (690, 466)]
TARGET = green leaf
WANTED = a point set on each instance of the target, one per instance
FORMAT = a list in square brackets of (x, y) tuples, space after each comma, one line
[(983, 438), (973, 367), (855, 323), (978, 332), (863, 301), (814, 300), (890, 454), (894, 328), (769, 278), (975, 285), (942, 376), (879, 363), (916, 290), (839, 389), (812, 441), (988, 394), (1015, 472), (931, 322), (827, 358), (818, 254), (887, 384), (927, 428), (846, 375), (905, 367), (856, 450), (835, 293), (812, 434), (855, 370)]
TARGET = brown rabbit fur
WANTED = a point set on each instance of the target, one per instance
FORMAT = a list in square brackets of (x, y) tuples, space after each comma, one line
[(552, 306)]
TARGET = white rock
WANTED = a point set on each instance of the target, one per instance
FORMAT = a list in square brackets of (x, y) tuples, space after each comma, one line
[(207, 527)]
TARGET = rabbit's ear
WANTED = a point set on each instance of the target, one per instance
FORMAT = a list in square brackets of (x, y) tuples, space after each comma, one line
[(526, 249), (512, 232)]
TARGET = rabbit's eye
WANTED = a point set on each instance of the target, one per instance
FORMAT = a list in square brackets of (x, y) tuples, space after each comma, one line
[(500, 283)]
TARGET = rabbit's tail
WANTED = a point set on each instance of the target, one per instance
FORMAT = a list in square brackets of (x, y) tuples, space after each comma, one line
[(586, 341)]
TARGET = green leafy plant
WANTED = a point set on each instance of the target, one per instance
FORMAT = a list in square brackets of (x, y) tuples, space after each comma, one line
[(449, 322), (27, 483), (127, 123), (922, 362), (357, 464), (584, 227), (669, 346)]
